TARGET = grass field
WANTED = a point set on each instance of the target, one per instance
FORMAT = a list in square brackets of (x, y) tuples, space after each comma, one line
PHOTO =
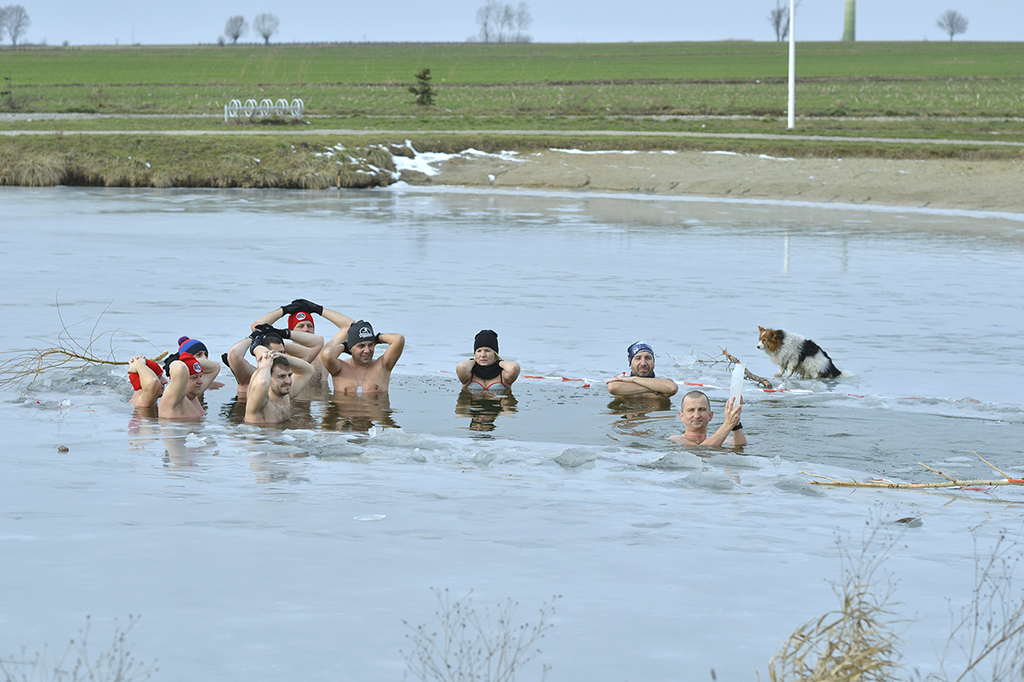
[(490, 94), (496, 64), (527, 80)]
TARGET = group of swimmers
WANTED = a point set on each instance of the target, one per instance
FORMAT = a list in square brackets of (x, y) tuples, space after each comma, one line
[(287, 360)]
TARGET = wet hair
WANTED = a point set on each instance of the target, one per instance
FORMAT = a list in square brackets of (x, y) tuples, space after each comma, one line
[(695, 394), (280, 361)]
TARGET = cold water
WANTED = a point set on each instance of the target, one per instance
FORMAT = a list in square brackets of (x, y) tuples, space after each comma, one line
[(300, 552)]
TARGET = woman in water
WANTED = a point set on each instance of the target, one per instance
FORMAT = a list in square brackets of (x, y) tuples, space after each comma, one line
[(487, 371)]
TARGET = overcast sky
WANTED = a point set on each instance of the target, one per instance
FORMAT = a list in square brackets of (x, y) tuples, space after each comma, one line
[(202, 21)]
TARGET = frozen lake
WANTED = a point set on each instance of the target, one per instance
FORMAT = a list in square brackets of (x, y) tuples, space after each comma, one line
[(297, 553)]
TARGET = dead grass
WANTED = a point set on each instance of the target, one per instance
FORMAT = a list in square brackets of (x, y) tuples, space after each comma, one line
[(115, 664), (857, 641), (471, 648)]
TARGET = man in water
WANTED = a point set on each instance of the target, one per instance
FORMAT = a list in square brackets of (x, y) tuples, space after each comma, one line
[(271, 385), (696, 414), (181, 396), (300, 319), (641, 381), (301, 345), (361, 374)]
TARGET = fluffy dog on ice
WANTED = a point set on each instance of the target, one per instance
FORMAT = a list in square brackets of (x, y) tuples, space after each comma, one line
[(796, 355)]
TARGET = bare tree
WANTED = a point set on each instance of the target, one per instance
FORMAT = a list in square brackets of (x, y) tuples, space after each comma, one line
[(488, 17), (266, 25), (522, 22), (15, 19), (779, 19), (952, 22), (506, 23), (235, 28)]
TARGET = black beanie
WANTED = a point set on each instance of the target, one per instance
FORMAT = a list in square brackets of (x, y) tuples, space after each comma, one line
[(486, 337), (359, 331)]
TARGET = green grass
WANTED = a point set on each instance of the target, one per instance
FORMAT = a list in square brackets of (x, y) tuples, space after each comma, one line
[(527, 81), (476, 64)]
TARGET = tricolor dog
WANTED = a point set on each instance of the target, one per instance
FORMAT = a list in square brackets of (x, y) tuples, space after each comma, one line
[(796, 355)]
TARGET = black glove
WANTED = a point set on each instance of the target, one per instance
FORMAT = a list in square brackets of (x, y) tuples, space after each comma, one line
[(376, 337), (293, 307), (167, 363), (309, 306), (264, 329)]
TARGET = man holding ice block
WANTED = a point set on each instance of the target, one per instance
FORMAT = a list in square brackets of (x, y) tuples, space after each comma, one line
[(696, 414)]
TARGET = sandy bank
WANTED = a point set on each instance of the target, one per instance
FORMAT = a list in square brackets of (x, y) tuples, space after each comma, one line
[(947, 184)]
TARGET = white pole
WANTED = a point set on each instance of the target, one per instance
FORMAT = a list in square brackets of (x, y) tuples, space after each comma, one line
[(792, 64)]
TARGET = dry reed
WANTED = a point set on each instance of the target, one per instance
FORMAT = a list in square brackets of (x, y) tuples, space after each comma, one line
[(856, 642), (469, 648), (115, 664)]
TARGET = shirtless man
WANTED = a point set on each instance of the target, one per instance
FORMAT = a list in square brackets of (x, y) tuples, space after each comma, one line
[(300, 319), (696, 414), (148, 380), (270, 388), (641, 381), (361, 374), (181, 396), (301, 345)]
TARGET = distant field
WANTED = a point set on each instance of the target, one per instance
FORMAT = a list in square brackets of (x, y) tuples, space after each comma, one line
[(527, 81), (475, 64)]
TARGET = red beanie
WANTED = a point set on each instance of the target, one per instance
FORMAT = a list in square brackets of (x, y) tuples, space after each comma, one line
[(301, 316), (134, 376), (193, 365)]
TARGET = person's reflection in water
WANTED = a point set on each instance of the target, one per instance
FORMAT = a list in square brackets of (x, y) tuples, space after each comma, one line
[(635, 418), (177, 450), (349, 412), (143, 427), (233, 413), (483, 407)]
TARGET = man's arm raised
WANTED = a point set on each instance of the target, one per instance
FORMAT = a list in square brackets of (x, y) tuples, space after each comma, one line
[(270, 318), (333, 350), (239, 366), (259, 387), (396, 344), (149, 383), (340, 321), (174, 393), (302, 372), (304, 346), (732, 418), (211, 368)]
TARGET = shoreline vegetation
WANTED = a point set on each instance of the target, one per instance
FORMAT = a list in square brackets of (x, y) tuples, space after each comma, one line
[(868, 114)]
